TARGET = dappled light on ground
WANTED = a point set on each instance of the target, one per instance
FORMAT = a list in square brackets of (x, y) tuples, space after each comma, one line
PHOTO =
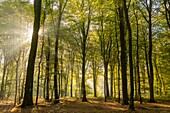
[(72, 105)]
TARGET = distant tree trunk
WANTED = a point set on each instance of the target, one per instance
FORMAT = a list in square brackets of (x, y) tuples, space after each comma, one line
[(137, 58), (111, 79), (3, 79), (61, 72), (163, 83), (135, 79), (159, 82), (28, 96), (77, 82), (44, 87), (23, 79), (16, 77), (143, 72), (118, 60), (66, 77), (39, 66), (146, 59), (137, 54), (123, 57), (72, 72), (41, 79), (94, 77), (47, 68), (6, 80)]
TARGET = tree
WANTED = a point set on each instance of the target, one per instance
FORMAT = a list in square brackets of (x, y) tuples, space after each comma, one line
[(123, 54), (84, 30), (130, 55), (148, 5), (61, 8), (28, 95), (167, 11), (137, 52)]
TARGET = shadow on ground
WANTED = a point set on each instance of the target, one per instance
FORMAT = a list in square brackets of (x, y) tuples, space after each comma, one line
[(93, 106)]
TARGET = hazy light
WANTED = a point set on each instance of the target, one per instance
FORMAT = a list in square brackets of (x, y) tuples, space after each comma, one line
[(32, 1)]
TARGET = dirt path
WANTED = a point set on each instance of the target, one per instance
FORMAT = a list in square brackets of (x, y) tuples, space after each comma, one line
[(93, 106)]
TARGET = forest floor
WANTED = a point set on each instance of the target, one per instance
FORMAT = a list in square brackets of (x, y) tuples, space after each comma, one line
[(95, 105)]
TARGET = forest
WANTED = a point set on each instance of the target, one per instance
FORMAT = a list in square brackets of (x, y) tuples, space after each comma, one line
[(84, 56)]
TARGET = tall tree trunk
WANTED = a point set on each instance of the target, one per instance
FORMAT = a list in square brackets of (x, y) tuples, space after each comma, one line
[(84, 31), (56, 67), (61, 8), (150, 54), (28, 96), (47, 68), (123, 57), (130, 56)]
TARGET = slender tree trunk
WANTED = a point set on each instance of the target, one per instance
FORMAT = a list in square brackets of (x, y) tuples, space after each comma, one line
[(137, 54), (146, 60), (137, 58), (66, 77), (28, 96), (72, 72), (61, 72), (112, 77), (118, 60), (47, 68), (39, 67), (94, 78), (2, 83), (135, 79), (159, 82), (16, 80)]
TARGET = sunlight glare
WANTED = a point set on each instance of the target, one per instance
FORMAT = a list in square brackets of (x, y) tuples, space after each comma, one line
[(29, 38)]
